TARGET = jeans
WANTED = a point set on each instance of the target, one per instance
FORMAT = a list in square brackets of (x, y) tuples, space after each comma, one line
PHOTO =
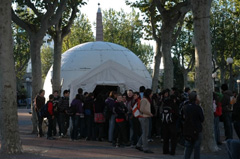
[(64, 123), (150, 128), (111, 128), (120, 133), (145, 129), (75, 123), (227, 121), (233, 148), (189, 146), (40, 121), (131, 132), (169, 132), (237, 128), (50, 126), (216, 129), (90, 126)]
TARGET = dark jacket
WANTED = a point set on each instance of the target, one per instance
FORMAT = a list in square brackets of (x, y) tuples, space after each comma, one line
[(78, 106), (226, 101), (120, 110), (195, 114), (63, 104), (40, 102), (110, 103)]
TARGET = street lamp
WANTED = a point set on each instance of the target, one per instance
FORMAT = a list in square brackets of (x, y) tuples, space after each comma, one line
[(230, 62), (28, 81), (238, 82)]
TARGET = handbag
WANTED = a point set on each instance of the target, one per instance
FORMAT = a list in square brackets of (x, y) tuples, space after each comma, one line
[(135, 110), (99, 118)]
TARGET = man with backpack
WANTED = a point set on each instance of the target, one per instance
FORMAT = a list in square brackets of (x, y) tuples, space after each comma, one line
[(169, 128), (192, 127)]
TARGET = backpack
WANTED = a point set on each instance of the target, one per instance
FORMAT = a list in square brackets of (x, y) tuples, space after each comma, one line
[(44, 111), (167, 115), (231, 103), (181, 109)]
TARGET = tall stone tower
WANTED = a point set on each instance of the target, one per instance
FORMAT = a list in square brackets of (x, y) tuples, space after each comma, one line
[(99, 29)]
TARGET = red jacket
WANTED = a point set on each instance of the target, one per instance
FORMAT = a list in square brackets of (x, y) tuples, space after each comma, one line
[(50, 108)]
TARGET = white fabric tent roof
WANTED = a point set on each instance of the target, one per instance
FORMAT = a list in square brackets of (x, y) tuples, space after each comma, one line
[(112, 74), (82, 59)]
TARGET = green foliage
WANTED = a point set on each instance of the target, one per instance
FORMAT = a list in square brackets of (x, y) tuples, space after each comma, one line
[(21, 50), (81, 32), (127, 30), (47, 59), (225, 33)]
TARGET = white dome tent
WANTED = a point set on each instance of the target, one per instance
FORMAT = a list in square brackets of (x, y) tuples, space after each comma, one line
[(100, 63)]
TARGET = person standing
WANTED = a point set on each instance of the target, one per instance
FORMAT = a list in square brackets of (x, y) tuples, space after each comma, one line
[(193, 127), (39, 102), (110, 104), (63, 106), (50, 117), (77, 109), (145, 108), (55, 112), (169, 127), (227, 111)]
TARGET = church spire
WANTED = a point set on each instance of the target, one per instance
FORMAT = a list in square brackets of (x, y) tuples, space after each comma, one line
[(99, 29)]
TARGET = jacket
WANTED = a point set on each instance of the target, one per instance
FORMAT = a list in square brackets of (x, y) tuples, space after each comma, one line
[(226, 101), (145, 108), (40, 102)]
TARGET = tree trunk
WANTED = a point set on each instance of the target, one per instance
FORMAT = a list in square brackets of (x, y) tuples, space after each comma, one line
[(185, 78), (157, 62), (167, 58), (35, 47), (56, 79), (10, 139), (203, 54)]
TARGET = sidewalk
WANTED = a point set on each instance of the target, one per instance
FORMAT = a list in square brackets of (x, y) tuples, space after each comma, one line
[(63, 148)]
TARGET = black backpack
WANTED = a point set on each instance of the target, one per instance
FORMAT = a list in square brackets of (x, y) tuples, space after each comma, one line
[(167, 115), (181, 109), (44, 111)]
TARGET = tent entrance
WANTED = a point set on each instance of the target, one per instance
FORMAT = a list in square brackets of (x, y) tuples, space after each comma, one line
[(104, 89)]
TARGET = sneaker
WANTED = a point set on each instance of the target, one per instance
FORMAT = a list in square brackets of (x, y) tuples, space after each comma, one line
[(51, 138), (148, 151), (139, 148)]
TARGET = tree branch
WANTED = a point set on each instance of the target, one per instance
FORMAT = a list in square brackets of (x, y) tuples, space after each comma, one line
[(159, 5), (21, 23), (151, 10), (31, 5), (174, 37), (66, 29)]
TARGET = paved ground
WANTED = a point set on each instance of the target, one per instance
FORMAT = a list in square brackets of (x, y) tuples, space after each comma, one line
[(41, 148)]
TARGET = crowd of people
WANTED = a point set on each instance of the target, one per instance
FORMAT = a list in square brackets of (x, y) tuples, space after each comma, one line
[(134, 118)]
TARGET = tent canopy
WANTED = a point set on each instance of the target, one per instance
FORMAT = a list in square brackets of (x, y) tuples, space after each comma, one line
[(109, 73)]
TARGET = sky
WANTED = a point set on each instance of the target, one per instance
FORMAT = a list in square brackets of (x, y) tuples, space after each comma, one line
[(92, 6)]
